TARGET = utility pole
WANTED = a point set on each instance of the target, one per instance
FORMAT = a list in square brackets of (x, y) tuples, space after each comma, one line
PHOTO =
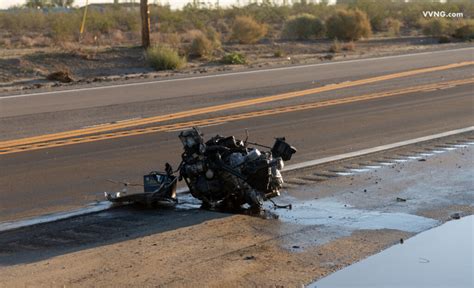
[(145, 14)]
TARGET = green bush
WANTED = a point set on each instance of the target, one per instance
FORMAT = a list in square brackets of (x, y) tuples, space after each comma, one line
[(279, 53), (436, 27), (164, 58), (233, 58), (247, 31), (349, 25), (465, 31), (64, 27), (303, 27)]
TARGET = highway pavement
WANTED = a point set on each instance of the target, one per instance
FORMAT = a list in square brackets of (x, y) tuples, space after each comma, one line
[(58, 148)]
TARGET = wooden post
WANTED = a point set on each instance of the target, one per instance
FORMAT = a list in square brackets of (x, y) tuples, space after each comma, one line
[(145, 14)]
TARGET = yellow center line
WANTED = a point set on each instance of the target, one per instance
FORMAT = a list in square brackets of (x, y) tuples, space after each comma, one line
[(234, 117), (233, 105)]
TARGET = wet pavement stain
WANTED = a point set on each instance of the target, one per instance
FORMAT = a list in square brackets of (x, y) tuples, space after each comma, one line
[(329, 212)]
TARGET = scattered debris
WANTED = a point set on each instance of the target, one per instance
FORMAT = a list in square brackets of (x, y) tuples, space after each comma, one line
[(456, 216), (61, 76), (401, 199), (422, 160), (401, 241), (159, 190), (424, 260), (251, 257)]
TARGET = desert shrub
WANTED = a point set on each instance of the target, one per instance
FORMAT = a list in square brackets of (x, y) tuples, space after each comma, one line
[(64, 27), (348, 25), (303, 27), (125, 20), (279, 53), (435, 27), (233, 58), (201, 46), (247, 31), (164, 58), (20, 21), (172, 40), (391, 26), (465, 31), (349, 46), (335, 46), (98, 22), (214, 37)]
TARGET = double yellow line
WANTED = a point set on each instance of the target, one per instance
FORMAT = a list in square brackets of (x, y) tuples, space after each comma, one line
[(228, 106), (230, 118)]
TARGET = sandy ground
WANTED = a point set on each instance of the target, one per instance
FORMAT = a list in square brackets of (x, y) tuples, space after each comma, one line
[(25, 69), (333, 224)]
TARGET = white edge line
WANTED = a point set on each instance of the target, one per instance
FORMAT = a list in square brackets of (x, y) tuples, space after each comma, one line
[(375, 149), (232, 73), (104, 205)]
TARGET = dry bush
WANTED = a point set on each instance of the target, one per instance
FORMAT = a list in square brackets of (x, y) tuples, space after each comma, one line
[(173, 40), (164, 58), (303, 27), (392, 26), (117, 36), (42, 41), (200, 47), (214, 37), (222, 27), (26, 41), (348, 25), (190, 35), (349, 46), (465, 31), (247, 31), (436, 27), (6, 43), (335, 46)]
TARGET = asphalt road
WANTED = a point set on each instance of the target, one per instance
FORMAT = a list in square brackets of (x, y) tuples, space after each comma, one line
[(40, 181)]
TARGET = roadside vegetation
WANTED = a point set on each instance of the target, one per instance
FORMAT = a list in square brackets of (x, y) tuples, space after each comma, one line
[(211, 33), (164, 58)]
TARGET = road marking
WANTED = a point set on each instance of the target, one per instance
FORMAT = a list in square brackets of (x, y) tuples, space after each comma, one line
[(222, 107), (234, 73), (105, 205), (376, 149), (229, 118)]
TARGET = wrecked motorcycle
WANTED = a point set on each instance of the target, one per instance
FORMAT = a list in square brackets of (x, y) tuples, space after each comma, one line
[(223, 172)]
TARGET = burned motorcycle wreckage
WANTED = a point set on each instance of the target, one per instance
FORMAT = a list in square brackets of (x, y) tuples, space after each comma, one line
[(223, 172)]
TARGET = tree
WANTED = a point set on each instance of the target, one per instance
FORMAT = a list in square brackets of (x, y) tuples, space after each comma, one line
[(48, 3), (145, 15), (62, 3), (36, 3)]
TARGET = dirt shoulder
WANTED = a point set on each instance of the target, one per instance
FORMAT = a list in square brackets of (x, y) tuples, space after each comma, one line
[(238, 251), (26, 69)]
